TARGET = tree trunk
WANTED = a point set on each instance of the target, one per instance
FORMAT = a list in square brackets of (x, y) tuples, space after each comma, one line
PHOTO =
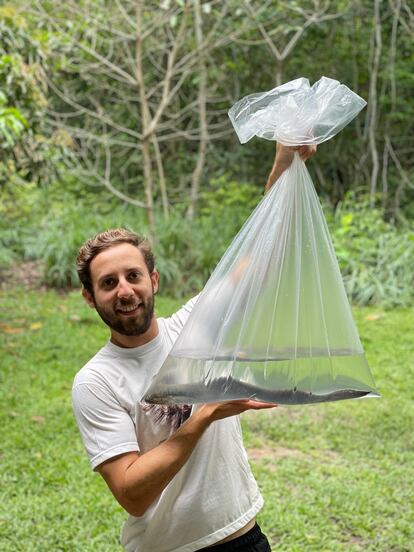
[(146, 119), (161, 177), (279, 74), (373, 98), (202, 99)]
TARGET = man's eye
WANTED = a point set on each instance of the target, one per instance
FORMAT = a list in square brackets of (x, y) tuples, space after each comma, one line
[(108, 282), (134, 275)]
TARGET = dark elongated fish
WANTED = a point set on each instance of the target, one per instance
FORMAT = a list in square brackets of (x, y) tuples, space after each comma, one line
[(227, 389)]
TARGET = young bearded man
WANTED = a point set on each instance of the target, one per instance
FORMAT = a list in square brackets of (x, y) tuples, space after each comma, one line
[(180, 472)]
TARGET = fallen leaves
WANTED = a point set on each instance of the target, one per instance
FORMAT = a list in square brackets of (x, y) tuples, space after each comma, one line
[(8, 329), (74, 318), (374, 316), (38, 419)]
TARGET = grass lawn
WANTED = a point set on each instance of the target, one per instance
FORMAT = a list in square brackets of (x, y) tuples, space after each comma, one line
[(334, 476)]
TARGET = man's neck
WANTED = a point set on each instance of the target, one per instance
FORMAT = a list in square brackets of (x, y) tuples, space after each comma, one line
[(130, 341)]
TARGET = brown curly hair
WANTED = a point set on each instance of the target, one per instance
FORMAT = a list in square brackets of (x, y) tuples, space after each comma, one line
[(104, 240)]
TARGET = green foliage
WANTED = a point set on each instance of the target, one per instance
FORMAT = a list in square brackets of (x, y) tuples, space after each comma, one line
[(178, 247), (56, 243), (58, 238), (227, 197), (223, 211), (90, 122), (91, 115), (52, 227), (376, 257), (16, 213), (12, 122), (7, 256), (30, 150)]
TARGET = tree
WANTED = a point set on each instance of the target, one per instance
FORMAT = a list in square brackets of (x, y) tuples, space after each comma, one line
[(143, 88), (29, 150), (127, 89)]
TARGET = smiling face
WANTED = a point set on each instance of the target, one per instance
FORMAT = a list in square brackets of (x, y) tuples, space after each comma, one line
[(123, 294)]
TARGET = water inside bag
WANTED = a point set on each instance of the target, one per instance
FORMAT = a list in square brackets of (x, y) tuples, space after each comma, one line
[(267, 380)]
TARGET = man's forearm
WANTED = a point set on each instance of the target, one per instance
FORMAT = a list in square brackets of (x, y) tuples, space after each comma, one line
[(147, 477), (275, 174), (137, 481)]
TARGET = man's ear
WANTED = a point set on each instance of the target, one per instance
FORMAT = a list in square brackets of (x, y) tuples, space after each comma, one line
[(87, 295), (154, 280)]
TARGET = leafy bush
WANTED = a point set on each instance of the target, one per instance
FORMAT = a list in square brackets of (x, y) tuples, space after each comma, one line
[(223, 210), (60, 234), (7, 256), (376, 257), (177, 246), (229, 198)]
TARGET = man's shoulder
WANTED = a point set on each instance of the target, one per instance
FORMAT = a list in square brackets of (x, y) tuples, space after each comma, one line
[(94, 370), (176, 321)]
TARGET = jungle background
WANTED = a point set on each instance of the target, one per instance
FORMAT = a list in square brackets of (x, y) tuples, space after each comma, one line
[(114, 113)]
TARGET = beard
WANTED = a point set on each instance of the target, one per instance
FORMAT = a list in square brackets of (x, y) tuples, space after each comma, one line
[(133, 326)]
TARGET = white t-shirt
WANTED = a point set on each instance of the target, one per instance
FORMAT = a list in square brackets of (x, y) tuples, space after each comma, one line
[(212, 496)]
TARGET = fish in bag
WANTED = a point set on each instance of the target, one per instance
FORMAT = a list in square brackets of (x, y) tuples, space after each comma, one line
[(273, 322)]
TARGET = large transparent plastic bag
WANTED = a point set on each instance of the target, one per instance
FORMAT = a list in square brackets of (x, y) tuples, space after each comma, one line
[(273, 322)]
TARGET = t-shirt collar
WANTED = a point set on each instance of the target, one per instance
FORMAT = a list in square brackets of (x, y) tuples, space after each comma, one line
[(141, 350)]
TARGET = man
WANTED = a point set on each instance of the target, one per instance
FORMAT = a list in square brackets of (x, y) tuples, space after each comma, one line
[(184, 479)]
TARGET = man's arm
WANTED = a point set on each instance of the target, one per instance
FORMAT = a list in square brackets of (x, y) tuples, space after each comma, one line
[(137, 480), (283, 159)]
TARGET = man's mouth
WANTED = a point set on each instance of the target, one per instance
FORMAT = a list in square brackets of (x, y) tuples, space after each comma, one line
[(129, 310)]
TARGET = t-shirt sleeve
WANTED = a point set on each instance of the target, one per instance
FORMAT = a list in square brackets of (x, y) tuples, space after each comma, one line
[(107, 428), (179, 318)]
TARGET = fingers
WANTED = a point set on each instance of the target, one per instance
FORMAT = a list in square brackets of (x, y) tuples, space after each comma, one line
[(254, 405), (306, 151), (285, 152), (259, 405), (218, 411)]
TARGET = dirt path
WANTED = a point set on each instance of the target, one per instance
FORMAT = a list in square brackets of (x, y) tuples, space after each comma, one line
[(27, 274)]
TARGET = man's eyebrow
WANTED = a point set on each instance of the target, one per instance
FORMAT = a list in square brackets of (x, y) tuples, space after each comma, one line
[(136, 268), (113, 274), (104, 276)]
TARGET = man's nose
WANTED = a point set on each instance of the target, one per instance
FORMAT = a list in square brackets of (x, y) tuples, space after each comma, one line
[(124, 288)]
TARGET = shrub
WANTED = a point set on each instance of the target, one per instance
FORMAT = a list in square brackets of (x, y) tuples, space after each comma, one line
[(60, 234), (177, 246), (376, 257)]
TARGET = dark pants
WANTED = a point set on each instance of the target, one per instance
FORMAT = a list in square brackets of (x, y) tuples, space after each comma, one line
[(252, 541)]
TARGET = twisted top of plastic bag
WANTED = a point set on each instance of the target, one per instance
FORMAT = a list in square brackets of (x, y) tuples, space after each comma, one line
[(296, 113)]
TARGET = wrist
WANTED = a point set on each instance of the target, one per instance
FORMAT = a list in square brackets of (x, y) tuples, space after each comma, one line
[(281, 165), (205, 415)]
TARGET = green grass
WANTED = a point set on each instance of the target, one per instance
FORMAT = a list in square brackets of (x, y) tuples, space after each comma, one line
[(334, 476)]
